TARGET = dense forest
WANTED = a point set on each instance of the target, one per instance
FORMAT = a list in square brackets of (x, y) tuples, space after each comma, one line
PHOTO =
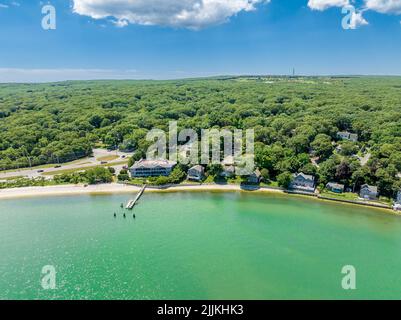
[(295, 120)]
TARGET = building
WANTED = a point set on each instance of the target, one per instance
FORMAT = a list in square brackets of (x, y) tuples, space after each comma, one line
[(369, 192), (255, 177), (228, 172), (397, 204), (303, 182), (347, 136), (196, 173), (228, 167), (335, 187), (398, 198), (152, 168)]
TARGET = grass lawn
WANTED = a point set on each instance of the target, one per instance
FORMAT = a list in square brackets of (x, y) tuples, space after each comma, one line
[(12, 178), (47, 166), (270, 183), (108, 158), (386, 200), (209, 179), (66, 171), (342, 196), (353, 197), (137, 181), (236, 180)]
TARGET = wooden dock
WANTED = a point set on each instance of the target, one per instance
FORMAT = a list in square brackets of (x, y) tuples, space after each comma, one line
[(131, 204)]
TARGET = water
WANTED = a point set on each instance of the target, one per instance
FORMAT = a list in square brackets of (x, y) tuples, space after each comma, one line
[(197, 246)]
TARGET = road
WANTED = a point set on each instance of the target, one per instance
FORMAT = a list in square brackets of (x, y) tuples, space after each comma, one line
[(99, 156)]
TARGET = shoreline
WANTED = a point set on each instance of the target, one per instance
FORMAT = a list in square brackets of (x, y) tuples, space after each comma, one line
[(115, 188), (112, 188)]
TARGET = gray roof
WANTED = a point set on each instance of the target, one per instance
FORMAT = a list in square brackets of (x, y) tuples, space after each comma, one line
[(305, 176), (335, 185), (153, 164), (228, 169), (371, 189), (347, 134), (198, 168), (256, 173)]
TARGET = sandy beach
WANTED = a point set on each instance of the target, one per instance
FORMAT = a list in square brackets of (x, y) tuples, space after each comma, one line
[(115, 188), (110, 189)]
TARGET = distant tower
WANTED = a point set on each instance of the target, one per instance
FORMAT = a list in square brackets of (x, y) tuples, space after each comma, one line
[(293, 72)]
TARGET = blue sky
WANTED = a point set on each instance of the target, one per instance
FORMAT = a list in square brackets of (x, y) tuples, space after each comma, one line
[(272, 38)]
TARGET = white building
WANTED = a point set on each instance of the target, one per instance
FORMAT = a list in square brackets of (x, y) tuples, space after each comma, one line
[(152, 168)]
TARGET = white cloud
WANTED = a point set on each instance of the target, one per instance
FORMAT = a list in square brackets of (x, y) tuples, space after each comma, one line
[(192, 14), (6, 6), (326, 4), (384, 6), (357, 20)]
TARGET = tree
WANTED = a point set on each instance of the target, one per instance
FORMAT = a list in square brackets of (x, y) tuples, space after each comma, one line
[(177, 176), (160, 181), (308, 168), (123, 175), (322, 146), (343, 172), (96, 120), (215, 169), (265, 175), (348, 148), (284, 179), (327, 170), (386, 182), (98, 175)]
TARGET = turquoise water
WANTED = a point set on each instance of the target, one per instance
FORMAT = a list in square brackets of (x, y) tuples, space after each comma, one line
[(197, 246)]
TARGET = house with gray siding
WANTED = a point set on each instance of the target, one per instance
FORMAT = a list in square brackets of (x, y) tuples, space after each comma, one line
[(303, 182), (345, 135), (369, 192), (397, 203), (196, 173), (255, 177), (335, 187)]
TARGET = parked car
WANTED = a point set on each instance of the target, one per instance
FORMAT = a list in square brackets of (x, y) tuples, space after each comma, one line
[(41, 171)]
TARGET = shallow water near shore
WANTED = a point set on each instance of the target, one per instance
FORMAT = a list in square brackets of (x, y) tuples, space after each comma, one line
[(197, 246)]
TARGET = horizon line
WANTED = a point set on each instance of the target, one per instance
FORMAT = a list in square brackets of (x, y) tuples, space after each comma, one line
[(211, 77)]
